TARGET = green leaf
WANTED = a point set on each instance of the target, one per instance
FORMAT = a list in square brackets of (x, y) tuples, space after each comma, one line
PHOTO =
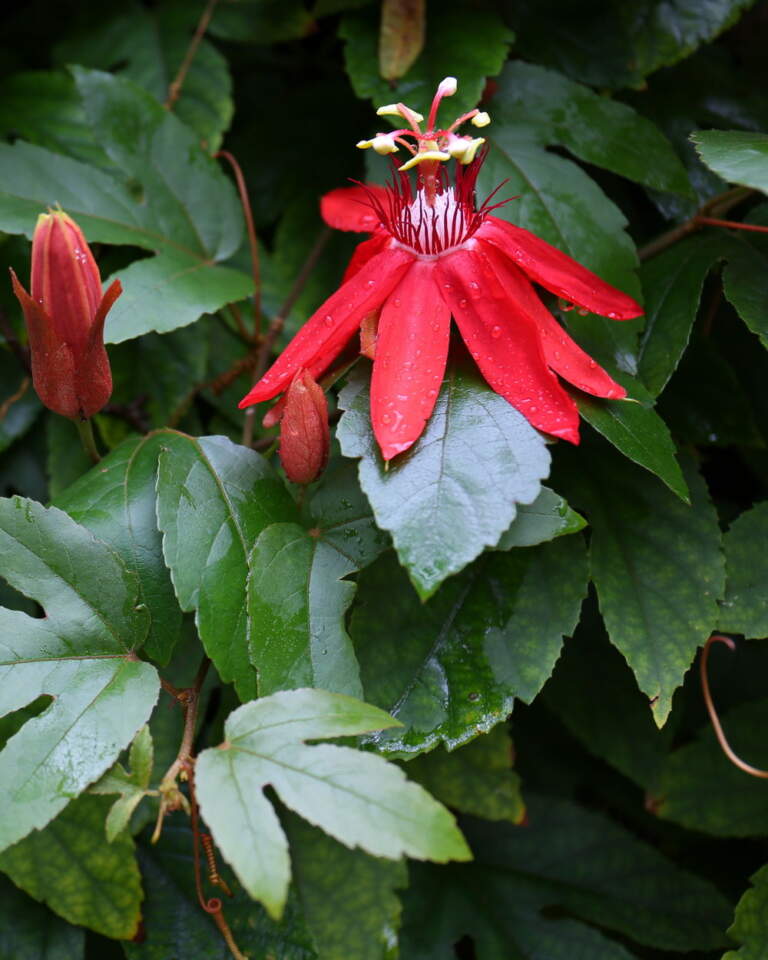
[(635, 429), (451, 668), (750, 925), (298, 595), (149, 47), (738, 156), (170, 199), (132, 786), (745, 608), (455, 491), (672, 283), (30, 932), (18, 401), (598, 130), (116, 502), (262, 21), (356, 797), (746, 287), (66, 460), (349, 898), (656, 564), (702, 790), (538, 891), (213, 500), (468, 46), (69, 867), (549, 516), (81, 655), (477, 779)]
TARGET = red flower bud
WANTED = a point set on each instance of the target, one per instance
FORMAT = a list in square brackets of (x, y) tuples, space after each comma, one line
[(305, 437), (65, 319)]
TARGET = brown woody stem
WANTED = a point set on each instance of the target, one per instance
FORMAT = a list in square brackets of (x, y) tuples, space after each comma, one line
[(174, 90)]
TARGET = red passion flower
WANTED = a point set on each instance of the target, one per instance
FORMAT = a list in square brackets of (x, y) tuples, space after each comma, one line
[(433, 254)]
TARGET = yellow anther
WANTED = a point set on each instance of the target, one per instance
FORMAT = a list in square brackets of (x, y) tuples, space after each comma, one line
[(481, 120), (422, 157), (382, 143), (471, 150), (463, 149), (393, 110)]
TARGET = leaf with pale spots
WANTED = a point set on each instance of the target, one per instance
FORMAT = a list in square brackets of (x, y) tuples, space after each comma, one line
[(81, 654)]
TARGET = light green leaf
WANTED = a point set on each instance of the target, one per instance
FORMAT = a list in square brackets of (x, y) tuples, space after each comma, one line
[(116, 502), (356, 797), (477, 778), (745, 608), (468, 47), (549, 516), (750, 925), (455, 491), (298, 595), (30, 932), (82, 655), (451, 668), (69, 867), (132, 786), (656, 564), (738, 156), (214, 498)]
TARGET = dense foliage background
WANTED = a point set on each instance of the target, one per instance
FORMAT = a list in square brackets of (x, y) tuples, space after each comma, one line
[(622, 126)]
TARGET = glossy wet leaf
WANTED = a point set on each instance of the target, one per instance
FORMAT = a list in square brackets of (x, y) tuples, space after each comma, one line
[(469, 48), (738, 156), (69, 867), (455, 491), (116, 501), (549, 516), (750, 925), (82, 655), (477, 778), (656, 564), (298, 593), (701, 789), (213, 500), (541, 889), (349, 899), (745, 286), (28, 931), (634, 428), (450, 668), (745, 607), (356, 797)]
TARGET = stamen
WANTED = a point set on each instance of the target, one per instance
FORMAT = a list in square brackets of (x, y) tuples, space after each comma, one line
[(446, 88)]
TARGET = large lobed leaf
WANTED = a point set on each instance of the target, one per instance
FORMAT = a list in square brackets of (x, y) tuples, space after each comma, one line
[(82, 654), (356, 797)]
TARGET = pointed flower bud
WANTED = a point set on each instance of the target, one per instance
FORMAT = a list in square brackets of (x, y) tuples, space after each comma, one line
[(305, 436), (65, 319)]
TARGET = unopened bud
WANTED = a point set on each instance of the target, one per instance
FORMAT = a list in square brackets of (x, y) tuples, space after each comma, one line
[(305, 436), (65, 319)]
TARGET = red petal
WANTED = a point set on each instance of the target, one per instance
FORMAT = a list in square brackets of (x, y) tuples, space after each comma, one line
[(364, 252), (504, 343), (557, 271), (561, 353), (327, 331), (411, 353), (349, 208)]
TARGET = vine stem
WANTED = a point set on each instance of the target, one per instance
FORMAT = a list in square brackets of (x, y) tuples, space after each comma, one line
[(85, 429), (278, 321), (711, 710), (174, 90)]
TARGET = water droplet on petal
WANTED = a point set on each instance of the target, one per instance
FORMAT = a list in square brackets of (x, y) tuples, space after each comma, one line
[(462, 303), (474, 285), (496, 331), (328, 319), (582, 311)]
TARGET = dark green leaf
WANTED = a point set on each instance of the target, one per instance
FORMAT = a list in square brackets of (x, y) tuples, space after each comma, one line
[(116, 502), (213, 500), (738, 156), (746, 286), (467, 44), (702, 790), (656, 564), (745, 608), (298, 595), (18, 401), (549, 516), (70, 867), (750, 925), (356, 797), (261, 21), (478, 778), (634, 428), (81, 655), (349, 898), (451, 668), (30, 932), (455, 491), (66, 460)]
